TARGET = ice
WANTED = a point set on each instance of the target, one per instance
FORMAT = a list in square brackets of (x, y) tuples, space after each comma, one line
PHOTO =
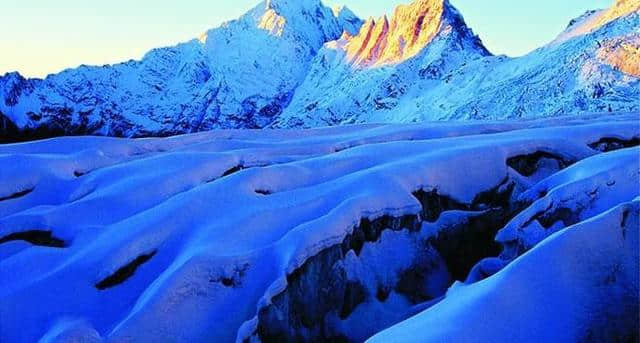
[(198, 237), (579, 284)]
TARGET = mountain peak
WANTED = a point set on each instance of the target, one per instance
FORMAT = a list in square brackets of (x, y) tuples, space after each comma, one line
[(275, 14), (350, 22), (410, 30), (593, 20)]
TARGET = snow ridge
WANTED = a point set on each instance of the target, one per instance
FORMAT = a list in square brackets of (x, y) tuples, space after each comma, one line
[(291, 64), (218, 235), (241, 74)]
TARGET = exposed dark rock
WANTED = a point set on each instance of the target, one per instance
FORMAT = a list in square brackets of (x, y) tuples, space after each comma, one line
[(547, 218), (10, 133), (467, 243), (382, 294), (412, 283), (566, 215), (314, 290), (433, 204), (125, 272), (7, 128), (625, 216), (35, 237)]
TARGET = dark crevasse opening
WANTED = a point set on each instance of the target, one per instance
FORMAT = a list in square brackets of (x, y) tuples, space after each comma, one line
[(17, 195), (608, 144), (233, 170), (36, 237), (125, 272), (390, 266), (386, 267), (531, 164)]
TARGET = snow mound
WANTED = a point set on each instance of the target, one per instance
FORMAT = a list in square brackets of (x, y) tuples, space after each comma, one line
[(581, 284), (333, 233), (298, 63)]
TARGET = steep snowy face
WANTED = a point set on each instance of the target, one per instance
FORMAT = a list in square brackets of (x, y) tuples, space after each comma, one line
[(622, 54), (454, 77), (387, 63), (593, 20), (258, 60), (239, 75), (348, 20)]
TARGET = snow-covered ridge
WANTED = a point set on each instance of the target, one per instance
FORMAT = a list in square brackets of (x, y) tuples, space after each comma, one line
[(492, 310), (623, 54), (593, 20), (239, 75), (454, 77), (333, 233)]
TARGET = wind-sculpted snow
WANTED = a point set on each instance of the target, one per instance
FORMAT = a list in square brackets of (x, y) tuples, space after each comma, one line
[(297, 63), (334, 233), (581, 285)]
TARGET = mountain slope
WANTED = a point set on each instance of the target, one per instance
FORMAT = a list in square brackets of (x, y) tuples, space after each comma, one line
[(291, 64), (241, 74), (390, 62), (591, 67)]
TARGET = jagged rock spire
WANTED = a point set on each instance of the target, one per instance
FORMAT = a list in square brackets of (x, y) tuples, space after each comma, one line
[(410, 30)]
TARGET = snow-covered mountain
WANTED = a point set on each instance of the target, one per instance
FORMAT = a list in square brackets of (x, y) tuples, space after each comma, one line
[(425, 64), (503, 231), (300, 64), (241, 74)]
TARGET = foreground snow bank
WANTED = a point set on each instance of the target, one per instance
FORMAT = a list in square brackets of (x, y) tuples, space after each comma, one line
[(322, 234), (579, 285)]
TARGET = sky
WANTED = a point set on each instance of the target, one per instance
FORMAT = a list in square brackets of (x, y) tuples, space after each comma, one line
[(39, 37)]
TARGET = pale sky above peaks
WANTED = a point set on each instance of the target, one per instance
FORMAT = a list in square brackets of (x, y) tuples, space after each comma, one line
[(42, 36)]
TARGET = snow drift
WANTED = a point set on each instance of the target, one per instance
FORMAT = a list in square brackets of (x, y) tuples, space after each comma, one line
[(325, 234), (292, 64)]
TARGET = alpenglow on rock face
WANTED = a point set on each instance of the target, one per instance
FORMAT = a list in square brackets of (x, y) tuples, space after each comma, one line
[(436, 69), (296, 64)]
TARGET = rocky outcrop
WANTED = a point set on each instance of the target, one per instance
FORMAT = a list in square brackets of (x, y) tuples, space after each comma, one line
[(426, 64), (410, 30)]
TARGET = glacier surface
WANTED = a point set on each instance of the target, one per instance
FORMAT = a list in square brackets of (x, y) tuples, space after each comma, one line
[(432, 232), (293, 64)]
